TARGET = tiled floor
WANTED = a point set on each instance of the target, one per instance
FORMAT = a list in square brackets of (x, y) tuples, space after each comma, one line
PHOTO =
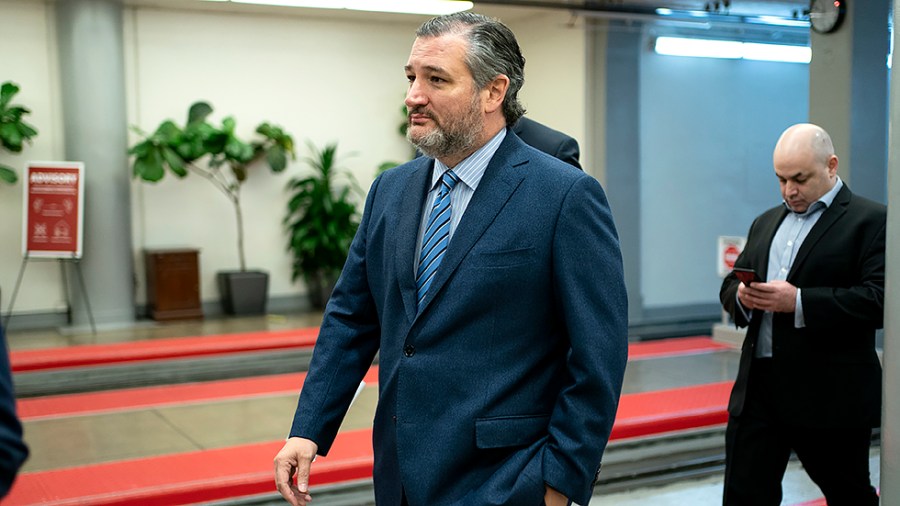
[(75, 440)]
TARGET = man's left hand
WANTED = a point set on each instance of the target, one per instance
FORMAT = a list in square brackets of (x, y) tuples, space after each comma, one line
[(775, 296), (554, 498)]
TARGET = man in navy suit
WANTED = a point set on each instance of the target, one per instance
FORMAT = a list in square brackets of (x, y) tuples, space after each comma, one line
[(809, 378), (13, 451), (487, 276)]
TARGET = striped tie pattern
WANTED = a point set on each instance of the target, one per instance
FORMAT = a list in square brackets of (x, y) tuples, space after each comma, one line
[(436, 237)]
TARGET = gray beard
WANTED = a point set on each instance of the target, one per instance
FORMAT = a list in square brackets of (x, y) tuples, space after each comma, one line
[(439, 144), (458, 136)]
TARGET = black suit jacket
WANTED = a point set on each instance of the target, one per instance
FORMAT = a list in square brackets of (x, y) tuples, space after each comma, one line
[(548, 140), (828, 372)]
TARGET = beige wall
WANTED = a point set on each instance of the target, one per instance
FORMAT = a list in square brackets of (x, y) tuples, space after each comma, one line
[(553, 44), (323, 79), (29, 60)]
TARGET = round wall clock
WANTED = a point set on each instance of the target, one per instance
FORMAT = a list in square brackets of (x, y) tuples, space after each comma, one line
[(826, 15)]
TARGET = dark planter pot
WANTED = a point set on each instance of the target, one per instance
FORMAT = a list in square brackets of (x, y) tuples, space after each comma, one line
[(243, 293), (320, 287)]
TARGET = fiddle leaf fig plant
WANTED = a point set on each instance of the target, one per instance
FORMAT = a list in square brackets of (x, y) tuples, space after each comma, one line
[(14, 132), (214, 153)]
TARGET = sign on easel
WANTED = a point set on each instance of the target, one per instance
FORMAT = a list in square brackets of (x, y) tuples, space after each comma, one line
[(54, 210)]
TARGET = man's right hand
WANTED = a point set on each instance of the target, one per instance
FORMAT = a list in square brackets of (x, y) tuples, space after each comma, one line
[(294, 458)]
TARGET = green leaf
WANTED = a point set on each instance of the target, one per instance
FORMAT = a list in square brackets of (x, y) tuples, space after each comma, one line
[(199, 112), (7, 174), (228, 125), (14, 113), (7, 91), (141, 149), (27, 131), (238, 150), (277, 158), (266, 130), (10, 137), (174, 161), (213, 140), (168, 132), (150, 167)]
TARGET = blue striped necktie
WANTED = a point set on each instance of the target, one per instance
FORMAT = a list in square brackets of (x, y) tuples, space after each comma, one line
[(436, 237)]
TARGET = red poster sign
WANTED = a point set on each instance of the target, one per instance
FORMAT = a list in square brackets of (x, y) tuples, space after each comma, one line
[(54, 208), (729, 250)]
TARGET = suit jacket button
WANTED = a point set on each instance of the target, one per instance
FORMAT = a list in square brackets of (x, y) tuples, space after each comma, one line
[(409, 350)]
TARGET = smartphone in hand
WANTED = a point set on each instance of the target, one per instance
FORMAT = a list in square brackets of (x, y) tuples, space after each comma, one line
[(746, 276)]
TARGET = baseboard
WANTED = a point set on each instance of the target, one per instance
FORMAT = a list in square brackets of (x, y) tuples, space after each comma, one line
[(38, 320)]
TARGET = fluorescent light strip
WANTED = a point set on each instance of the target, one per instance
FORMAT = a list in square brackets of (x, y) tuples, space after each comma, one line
[(777, 52), (777, 21), (730, 49), (430, 7), (705, 48)]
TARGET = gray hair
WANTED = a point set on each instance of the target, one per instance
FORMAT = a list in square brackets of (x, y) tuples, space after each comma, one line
[(492, 51)]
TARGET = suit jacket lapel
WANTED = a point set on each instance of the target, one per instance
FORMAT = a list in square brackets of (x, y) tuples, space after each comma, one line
[(500, 180), (407, 233), (829, 217)]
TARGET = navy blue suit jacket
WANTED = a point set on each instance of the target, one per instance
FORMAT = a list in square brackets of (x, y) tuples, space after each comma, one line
[(13, 451), (509, 377)]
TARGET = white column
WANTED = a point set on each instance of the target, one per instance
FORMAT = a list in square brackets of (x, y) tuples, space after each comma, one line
[(92, 80), (890, 420)]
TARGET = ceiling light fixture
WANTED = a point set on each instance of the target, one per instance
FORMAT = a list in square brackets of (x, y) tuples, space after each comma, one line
[(429, 7), (731, 49)]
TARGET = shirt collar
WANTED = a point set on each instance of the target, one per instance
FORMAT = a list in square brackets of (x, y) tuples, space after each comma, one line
[(824, 201), (471, 169)]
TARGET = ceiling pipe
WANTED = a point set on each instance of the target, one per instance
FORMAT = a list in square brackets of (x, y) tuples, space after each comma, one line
[(637, 13)]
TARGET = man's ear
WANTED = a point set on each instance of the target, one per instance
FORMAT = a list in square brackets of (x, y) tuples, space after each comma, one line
[(832, 164), (495, 93)]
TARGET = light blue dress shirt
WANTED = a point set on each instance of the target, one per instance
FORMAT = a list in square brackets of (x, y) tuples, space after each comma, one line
[(470, 171), (787, 241)]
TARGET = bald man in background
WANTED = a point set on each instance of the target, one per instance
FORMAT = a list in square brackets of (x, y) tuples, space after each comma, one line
[(809, 377)]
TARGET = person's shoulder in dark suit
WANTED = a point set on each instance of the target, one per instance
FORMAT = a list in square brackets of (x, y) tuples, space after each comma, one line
[(550, 141), (13, 451)]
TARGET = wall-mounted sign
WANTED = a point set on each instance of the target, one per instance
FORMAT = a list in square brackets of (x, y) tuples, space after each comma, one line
[(729, 249), (54, 209)]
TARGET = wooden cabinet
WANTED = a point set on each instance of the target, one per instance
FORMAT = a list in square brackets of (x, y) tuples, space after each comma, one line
[(173, 284)]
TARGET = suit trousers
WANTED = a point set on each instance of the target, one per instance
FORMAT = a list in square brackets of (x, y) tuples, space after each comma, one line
[(758, 446)]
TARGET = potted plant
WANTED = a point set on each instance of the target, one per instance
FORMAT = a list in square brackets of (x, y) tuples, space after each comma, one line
[(222, 158), (13, 131), (321, 221)]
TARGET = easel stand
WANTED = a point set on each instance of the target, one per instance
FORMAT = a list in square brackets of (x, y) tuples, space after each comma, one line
[(76, 262)]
